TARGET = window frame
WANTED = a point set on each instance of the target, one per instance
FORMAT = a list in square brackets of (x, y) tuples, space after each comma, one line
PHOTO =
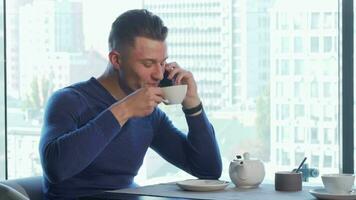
[(346, 117), (4, 134)]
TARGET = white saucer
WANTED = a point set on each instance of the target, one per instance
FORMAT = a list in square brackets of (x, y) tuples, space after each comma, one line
[(321, 193), (202, 185)]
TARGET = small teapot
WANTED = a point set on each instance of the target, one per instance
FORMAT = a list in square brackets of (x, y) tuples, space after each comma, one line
[(246, 173)]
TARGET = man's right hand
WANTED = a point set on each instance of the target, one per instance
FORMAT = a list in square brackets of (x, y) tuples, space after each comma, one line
[(138, 104)]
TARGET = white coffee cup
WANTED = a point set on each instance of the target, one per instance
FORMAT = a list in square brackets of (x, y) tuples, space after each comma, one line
[(338, 183), (174, 94)]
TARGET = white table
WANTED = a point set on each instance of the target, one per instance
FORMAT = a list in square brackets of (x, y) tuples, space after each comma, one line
[(264, 191)]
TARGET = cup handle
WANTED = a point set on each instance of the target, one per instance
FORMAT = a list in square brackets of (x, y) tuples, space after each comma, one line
[(165, 101)]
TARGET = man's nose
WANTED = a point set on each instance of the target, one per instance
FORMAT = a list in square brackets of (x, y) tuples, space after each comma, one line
[(158, 72)]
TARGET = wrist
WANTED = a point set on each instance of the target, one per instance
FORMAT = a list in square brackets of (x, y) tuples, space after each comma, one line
[(191, 103), (120, 112), (194, 110)]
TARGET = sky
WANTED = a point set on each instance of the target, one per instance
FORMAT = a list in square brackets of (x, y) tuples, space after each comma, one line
[(98, 17)]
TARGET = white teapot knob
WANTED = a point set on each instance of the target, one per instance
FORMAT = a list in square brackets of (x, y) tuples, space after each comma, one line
[(246, 156)]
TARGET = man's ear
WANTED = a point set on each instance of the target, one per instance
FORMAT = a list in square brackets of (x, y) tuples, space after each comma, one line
[(115, 59)]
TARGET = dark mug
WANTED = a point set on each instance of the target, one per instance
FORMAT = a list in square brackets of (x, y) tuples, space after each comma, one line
[(288, 181)]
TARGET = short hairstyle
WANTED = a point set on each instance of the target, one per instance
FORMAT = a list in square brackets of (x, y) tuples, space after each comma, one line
[(135, 23)]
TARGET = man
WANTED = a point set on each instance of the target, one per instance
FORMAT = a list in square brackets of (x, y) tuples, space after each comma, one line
[(96, 133)]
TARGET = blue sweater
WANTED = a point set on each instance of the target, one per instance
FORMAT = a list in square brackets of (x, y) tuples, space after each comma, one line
[(84, 150)]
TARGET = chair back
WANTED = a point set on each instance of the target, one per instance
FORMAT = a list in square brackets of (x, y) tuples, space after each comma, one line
[(30, 187)]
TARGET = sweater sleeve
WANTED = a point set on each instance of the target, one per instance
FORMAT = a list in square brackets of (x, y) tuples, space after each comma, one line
[(65, 148), (196, 152)]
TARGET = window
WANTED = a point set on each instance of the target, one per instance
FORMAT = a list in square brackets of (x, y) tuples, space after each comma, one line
[(279, 89), (315, 112), (327, 161), (284, 20), (297, 89), (284, 107), (278, 112), (327, 89), (285, 158), (278, 156), (328, 136), (284, 67), (284, 44), (299, 111), (277, 68), (328, 20), (285, 112), (298, 44), (328, 112), (315, 160), (327, 44), (314, 136), (285, 134), (298, 21), (314, 44), (298, 67), (315, 20), (299, 135), (278, 133), (299, 155), (314, 89)]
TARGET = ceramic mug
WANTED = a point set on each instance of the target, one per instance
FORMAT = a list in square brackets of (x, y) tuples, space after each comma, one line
[(338, 183), (174, 94), (288, 181)]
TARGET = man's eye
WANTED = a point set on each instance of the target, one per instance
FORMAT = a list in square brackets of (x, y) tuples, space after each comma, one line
[(147, 64)]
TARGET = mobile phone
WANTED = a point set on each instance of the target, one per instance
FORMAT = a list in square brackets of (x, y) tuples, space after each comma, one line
[(165, 82)]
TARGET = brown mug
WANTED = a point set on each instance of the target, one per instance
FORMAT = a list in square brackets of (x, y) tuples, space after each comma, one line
[(288, 181)]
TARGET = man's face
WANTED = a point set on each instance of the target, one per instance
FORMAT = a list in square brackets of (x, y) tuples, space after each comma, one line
[(143, 64)]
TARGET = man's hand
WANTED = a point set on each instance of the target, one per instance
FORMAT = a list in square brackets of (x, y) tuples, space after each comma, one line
[(138, 104), (181, 76)]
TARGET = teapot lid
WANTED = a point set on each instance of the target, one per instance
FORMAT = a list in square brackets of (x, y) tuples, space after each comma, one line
[(246, 156)]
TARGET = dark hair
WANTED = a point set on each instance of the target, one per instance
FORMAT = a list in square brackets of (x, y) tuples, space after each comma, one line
[(134, 23)]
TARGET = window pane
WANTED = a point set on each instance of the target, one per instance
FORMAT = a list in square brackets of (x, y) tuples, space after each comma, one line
[(315, 20), (50, 45), (298, 44), (267, 74), (328, 20), (327, 44), (314, 44)]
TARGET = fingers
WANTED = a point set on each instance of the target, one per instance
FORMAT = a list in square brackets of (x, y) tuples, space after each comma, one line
[(180, 76), (156, 91), (157, 99), (154, 94), (173, 69), (143, 101), (177, 73)]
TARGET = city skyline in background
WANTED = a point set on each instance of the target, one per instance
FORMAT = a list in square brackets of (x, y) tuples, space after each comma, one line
[(263, 68)]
